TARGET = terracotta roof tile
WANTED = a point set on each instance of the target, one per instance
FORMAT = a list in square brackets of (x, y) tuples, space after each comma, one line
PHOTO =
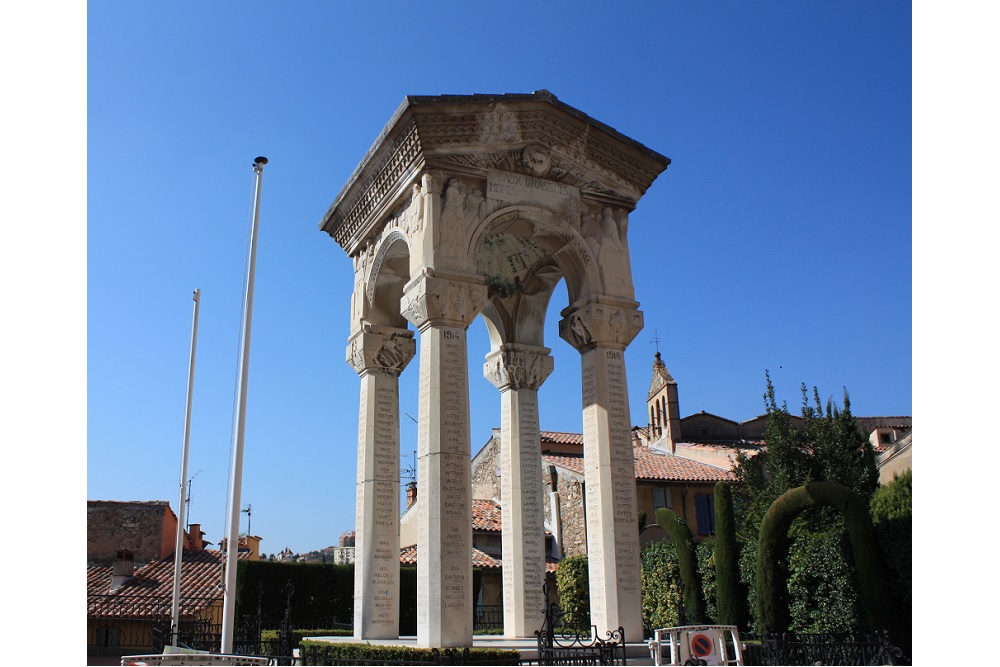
[(408, 556), (561, 438), (486, 516), (652, 465), (150, 589)]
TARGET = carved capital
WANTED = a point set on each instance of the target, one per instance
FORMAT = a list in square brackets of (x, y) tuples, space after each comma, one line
[(601, 325), (381, 349), (442, 301), (516, 366)]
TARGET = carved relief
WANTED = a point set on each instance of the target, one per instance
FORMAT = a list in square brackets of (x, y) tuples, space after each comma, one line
[(463, 208), (518, 366), (603, 233), (442, 301), (601, 325), (382, 349), (537, 159), (414, 216)]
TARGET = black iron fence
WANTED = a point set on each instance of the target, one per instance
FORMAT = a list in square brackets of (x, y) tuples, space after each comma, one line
[(488, 619), (122, 625), (821, 649), (561, 642)]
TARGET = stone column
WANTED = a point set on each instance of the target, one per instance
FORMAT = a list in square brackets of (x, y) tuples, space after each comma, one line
[(601, 332), (518, 371), (442, 309), (379, 355)]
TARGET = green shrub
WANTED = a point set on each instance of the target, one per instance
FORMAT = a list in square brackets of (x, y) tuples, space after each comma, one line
[(706, 552), (329, 653), (677, 528), (661, 588), (823, 589), (573, 586), (772, 572), (895, 500), (272, 636)]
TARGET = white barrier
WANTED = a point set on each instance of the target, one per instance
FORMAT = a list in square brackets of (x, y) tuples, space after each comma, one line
[(706, 644)]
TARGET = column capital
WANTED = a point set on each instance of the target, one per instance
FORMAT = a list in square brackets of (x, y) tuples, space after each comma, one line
[(382, 349), (451, 301), (601, 325), (516, 366)]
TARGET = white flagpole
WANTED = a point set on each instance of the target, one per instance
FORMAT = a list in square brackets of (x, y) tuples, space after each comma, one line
[(232, 546), (175, 613)]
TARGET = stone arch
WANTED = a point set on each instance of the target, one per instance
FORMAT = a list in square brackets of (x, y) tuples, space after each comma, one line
[(564, 245), (773, 545), (389, 272)]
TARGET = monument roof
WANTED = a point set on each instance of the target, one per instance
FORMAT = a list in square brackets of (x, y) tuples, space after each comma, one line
[(472, 134)]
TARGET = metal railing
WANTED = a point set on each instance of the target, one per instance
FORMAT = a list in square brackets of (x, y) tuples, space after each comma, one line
[(821, 649), (120, 625)]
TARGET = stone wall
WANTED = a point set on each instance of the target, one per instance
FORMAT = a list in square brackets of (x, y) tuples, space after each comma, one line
[(485, 483), (573, 528), (147, 529)]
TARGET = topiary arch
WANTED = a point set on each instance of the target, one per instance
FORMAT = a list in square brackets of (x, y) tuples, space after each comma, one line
[(872, 572)]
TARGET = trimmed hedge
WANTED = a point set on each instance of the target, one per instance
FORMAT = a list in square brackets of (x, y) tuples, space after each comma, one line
[(573, 586), (272, 636), (679, 532), (706, 552), (320, 591), (771, 579), (661, 589), (327, 653)]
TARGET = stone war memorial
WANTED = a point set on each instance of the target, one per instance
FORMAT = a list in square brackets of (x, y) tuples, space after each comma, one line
[(479, 205)]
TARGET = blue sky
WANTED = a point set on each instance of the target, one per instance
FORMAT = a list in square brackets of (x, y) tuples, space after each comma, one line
[(779, 238)]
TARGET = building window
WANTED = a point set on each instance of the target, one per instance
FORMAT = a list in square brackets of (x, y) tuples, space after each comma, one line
[(705, 514), (885, 437), (661, 497)]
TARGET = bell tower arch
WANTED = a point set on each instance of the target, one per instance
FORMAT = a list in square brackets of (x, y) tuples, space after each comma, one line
[(480, 205)]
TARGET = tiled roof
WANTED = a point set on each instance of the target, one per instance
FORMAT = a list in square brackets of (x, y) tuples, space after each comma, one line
[(408, 556), (574, 463), (652, 465), (561, 438), (151, 587), (486, 515)]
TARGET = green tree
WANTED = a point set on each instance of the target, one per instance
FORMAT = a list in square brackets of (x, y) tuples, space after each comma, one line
[(573, 586), (895, 500), (825, 446), (730, 595)]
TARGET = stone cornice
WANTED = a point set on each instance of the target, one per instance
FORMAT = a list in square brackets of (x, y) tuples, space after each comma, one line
[(528, 133)]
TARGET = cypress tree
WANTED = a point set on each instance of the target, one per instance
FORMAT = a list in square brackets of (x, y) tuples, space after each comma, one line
[(729, 594)]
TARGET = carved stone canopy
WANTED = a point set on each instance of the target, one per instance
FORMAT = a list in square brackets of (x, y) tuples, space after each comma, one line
[(533, 134)]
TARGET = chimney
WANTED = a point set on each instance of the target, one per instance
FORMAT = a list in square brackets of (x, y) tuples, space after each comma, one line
[(197, 537), (122, 569), (411, 494)]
